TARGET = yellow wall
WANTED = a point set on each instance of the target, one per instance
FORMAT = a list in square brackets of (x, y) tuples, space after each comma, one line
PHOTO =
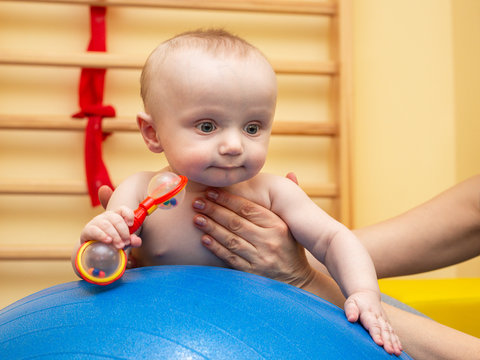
[(466, 52), (466, 58), (416, 105)]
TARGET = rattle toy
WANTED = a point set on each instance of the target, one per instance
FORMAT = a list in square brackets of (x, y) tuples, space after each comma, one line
[(102, 264)]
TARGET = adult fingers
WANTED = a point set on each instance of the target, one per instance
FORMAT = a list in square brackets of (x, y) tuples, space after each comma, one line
[(230, 237), (247, 209), (104, 195), (225, 221), (230, 258), (266, 246), (235, 244), (293, 177)]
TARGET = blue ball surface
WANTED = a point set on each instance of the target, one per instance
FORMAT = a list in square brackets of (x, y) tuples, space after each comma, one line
[(181, 312)]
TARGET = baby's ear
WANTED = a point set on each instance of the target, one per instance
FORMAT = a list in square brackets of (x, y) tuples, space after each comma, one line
[(149, 132)]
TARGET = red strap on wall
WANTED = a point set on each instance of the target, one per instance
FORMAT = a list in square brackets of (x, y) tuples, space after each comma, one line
[(91, 104)]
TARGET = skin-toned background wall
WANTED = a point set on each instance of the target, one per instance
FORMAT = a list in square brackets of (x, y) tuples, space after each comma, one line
[(414, 126), (416, 117)]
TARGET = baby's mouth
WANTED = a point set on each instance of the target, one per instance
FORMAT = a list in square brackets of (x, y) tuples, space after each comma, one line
[(227, 167)]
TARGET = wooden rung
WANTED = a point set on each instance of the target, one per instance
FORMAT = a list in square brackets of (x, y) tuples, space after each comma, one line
[(62, 122), (304, 128), (115, 61), (300, 7), (322, 191), (69, 187), (35, 252), (42, 187)]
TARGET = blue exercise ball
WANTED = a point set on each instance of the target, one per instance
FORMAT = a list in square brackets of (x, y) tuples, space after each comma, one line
[(181, 312)]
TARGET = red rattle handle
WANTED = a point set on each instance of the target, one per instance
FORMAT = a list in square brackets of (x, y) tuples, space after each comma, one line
[(146, 207), (149, 205)]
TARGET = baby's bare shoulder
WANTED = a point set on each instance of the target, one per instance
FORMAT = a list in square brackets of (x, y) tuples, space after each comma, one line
[(269, 182), (132, 190), (260, 188)]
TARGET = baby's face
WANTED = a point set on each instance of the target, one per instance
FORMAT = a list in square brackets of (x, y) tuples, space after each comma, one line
[(214, 115)]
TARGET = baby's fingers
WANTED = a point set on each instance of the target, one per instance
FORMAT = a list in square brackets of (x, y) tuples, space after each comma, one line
[(93, 232), (127, 214), (351, 309), (371, 322), (111, 227), (135, 241), (117, 228), (392, 343), (381, 332)]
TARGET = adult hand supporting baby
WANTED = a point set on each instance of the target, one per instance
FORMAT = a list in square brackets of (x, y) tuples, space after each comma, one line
[(247, 237), (251, 238)]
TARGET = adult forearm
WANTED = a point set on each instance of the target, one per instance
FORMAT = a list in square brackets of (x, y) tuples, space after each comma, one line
[(323, 286), (438, 233), (423, 338)]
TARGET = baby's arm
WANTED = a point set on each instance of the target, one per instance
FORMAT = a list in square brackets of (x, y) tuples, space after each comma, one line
[(112, 225), (344, 256), (352, 268)]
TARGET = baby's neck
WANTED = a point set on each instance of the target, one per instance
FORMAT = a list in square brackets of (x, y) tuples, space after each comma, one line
[(195, 187), (192, 186)]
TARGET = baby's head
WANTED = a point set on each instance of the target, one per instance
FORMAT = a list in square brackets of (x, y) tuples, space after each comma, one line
[(215, 42), (210, 99)]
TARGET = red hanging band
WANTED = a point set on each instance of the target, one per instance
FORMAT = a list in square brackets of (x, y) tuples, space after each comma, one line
[(90, 100)]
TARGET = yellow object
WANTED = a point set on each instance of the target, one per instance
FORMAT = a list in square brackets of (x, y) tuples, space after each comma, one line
[(452, 302), (103, 277), (152, 209)]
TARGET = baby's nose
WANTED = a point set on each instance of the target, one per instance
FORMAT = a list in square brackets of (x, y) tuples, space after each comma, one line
[(231, 144)]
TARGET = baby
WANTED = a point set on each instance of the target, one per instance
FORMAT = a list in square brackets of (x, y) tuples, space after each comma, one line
[(210, 101)]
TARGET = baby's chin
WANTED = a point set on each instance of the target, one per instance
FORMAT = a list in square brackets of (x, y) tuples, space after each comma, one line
[(223, 180), (221, 183)]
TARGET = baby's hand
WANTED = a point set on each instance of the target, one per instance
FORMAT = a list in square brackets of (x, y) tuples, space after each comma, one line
[(366, 306), (112, 227)]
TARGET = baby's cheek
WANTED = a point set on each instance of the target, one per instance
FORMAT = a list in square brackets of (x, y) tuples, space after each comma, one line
[(257, 160), (191, 162)]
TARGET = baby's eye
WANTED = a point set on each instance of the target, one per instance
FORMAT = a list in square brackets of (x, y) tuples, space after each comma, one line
[(252, 129), (206, 127)]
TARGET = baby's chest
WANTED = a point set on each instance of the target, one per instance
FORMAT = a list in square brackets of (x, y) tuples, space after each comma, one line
[(169, 238)]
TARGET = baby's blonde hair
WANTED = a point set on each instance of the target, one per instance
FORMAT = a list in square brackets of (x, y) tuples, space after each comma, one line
[(214, 41)]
